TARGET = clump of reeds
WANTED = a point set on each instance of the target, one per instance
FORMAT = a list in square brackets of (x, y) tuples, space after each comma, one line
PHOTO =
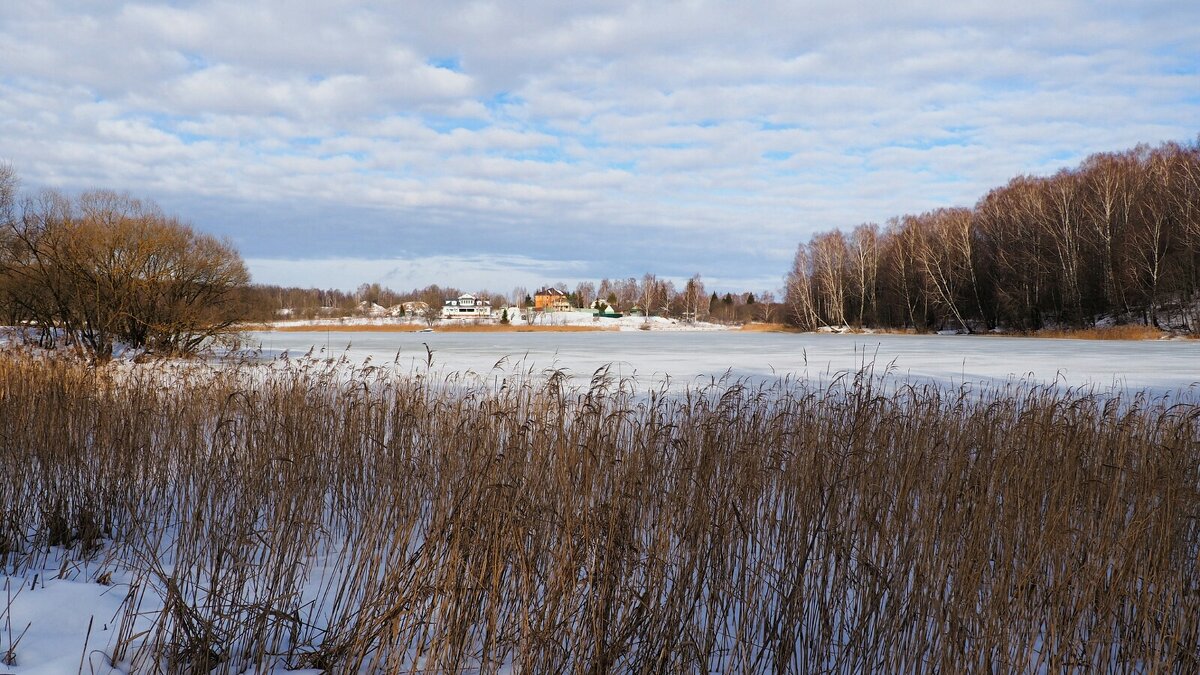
[(1127, 331), (306, 514)]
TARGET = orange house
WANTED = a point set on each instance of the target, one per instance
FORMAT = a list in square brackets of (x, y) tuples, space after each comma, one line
[(550, 299)]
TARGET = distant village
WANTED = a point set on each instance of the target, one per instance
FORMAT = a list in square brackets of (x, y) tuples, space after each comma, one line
[(652, 300), (548, 305), (471, 308)]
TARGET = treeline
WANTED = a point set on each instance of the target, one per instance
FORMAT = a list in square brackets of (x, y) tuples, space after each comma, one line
[(1118, 236), (268, 302), (661, 297), (655, 296), (104, 268), (650, 294)]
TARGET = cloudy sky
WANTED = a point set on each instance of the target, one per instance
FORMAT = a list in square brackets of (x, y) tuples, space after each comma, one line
[(485, 144)]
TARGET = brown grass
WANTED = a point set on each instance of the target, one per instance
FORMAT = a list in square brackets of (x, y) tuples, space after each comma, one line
[(440, 328), (304, 515), (1124, 332), (757, 327)]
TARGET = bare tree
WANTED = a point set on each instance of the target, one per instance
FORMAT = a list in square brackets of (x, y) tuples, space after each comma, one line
[(799, 290), (433, 298), (1062, 220), (944, 255), (8, 193), (654, 294), (1183, 195), (9, 247), (864, 267), (517, 298), (766, 307), (1111, 183), (628, 292), (829, 274), (1151, 234), (585, 293), (606, 292), (694, 300), (107, 268), (1015, 247), (1189, 193)]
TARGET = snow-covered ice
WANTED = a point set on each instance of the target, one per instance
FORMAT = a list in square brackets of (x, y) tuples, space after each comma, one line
[(1159, 366)]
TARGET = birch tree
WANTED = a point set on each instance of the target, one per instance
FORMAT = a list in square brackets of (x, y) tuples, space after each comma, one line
[(829, 273), (864, 269), (798, 294)]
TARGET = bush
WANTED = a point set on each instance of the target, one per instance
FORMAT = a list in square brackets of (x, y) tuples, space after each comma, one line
[(105, 268)]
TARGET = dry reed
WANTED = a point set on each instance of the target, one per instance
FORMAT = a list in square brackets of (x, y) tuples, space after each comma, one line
[(1122, 332), (308, 515)]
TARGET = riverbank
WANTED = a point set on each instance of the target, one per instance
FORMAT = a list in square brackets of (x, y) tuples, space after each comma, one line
[(564, 322), (440, 328)]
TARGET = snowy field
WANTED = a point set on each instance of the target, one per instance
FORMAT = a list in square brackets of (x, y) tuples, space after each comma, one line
[(686, 358)]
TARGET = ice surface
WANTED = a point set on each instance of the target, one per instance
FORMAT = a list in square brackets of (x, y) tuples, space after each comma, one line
[(1161, 366)]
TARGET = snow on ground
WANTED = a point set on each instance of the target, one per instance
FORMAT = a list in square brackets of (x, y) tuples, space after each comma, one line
[(49, 619), (626, 323), (63, 622), (317, 324)]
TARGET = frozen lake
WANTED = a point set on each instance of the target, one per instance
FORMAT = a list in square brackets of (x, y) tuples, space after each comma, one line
[(692, 358)]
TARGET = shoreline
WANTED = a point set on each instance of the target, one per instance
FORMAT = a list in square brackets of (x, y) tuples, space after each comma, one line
[(551, 325), (411, 328), (1123, 333)]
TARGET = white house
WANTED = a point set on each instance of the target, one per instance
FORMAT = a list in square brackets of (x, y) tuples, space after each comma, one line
[(466, 307)]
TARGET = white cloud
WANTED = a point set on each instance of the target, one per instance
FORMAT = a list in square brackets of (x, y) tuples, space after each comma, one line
[(498, 273), (667, 136)]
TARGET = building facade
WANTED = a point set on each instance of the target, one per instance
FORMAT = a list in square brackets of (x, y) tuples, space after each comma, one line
[(466, 306), (551, 300)]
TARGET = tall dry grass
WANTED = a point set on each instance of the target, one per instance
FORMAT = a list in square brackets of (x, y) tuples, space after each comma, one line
[(305, 515), (1122, 332)]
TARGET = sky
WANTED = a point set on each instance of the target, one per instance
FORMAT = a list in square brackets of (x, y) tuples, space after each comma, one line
[(490, 145)]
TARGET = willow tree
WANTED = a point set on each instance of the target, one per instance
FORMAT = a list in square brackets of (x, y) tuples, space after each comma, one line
[(105, 268)]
